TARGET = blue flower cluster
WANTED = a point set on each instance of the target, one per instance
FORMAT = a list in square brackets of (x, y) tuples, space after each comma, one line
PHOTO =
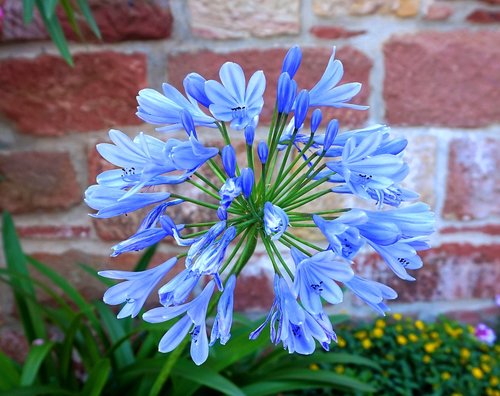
[(264, 200)]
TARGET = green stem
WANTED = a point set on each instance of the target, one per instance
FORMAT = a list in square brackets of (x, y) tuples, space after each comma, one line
[(289, 243), (205, 190), (280, 258), (270, 252), (206, 181), (303, 241)]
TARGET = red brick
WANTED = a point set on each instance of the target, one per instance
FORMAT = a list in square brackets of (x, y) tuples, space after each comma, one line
[(450, 272), (334, 32), (357, 68), (13, 343), (31, 181), (438, 12), (53, 232), (476, 316), (120, 20), (490, 229), (473, 184), (45, 97), (484, 16), (491, 1), (253, 293), (443, 78)]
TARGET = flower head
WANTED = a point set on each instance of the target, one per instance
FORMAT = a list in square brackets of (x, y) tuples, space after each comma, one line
[(485, 334), (272, 197)]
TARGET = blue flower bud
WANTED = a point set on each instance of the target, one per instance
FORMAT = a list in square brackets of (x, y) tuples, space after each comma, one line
[(316, 120), (247, 181), (301, 107), (262, 151), (229, 160), (292, 61), (194, 84), (285, 95), (330, 134), (188, 123), (222, 213), (249, 134)]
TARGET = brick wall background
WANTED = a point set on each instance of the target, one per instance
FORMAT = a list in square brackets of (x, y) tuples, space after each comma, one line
[(430, 69)]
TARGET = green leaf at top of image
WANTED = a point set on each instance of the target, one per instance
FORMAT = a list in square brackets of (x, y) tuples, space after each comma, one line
[(87, 13), (16, 262), (28, 7)]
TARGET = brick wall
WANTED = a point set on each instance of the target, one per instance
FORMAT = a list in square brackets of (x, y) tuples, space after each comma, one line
[(431, 69)]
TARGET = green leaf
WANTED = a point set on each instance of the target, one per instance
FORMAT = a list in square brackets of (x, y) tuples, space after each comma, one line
[(68, 345), (28, 6), (10, 373), (69, 290), (98, 377), (324, 377), (116, 331), (56, 34), (48, 8), (84, 6), (334, 358), (70, 14), (36, 356), (276, 387), (16, 263), (205, 376), (144, 261), (37, 390)]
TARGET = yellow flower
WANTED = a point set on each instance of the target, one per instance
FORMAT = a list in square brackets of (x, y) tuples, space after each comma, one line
[(471, 329), (397, 316), (366, 343), (341, 342), (339, 369), (313, 367), (435, 335), (445, 376), (485, 358), (426, 359), (361, 335), (412, 337), (464, 353), (431, 347), (494, 381), (420, 325), (401, 340), (477, 373), (486, 368), (378, 332), (399, 328), (456, 394), (380, 323)]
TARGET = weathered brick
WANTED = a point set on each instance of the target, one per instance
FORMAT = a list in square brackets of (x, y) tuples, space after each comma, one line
[(253, 293), (429, 80), (335, 8), (334, 32), (490, 229), (126, 20), (484, 16), (450, 272), (44, 96), (53, 232), (473, 184), (357, 68), (31, 181), (438, 12), (219, 19), (12, 27)]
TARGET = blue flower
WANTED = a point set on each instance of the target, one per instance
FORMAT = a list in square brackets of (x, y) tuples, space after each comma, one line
[(291, 62), (193, 322), (158, 109), (229, 160), (136, 288), (301, 108), (362, 168), (315, 278), (231, 100), (293, 326), (316, 118), (331, 132), (110, 202), (247, 181), (249, 134), (285, 95), (194, 84), (262, 151), (178, 289), (275, 221), (327, 93), (221, 328), (229, 191), (371, 292)]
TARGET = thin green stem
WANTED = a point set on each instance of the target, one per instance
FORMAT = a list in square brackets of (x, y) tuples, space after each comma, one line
[(205, 224), (280, 258), (289, 243), (235, 251), (206, 181), (301, 202), (303, 241), (205, 190), (270, 252)]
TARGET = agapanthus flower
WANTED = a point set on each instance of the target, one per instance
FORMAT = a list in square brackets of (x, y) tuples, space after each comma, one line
[(268, 197)]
